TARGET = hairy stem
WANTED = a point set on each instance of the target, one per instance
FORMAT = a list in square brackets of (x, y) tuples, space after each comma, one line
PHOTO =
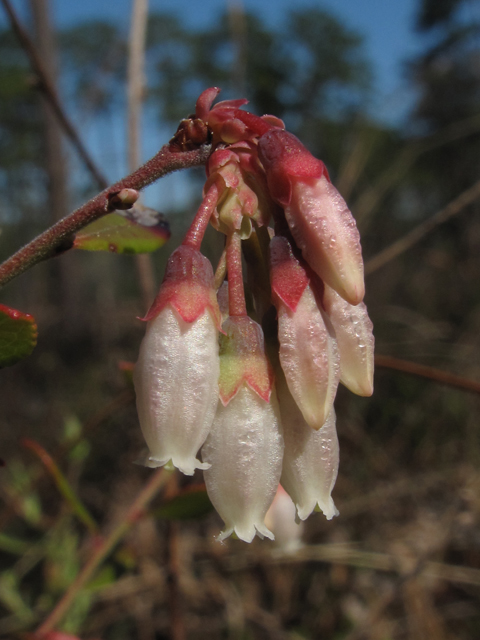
[(60, 236), (199, 225), (236, 293)]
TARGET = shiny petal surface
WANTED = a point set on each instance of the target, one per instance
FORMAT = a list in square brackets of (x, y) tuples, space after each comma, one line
[(326, 232), (354, 331), (176, 382), (310, 461), (309, 357), (244, 451)]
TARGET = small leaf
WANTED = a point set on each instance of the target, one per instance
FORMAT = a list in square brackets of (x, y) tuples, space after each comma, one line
[(18, 335), (136, 230), (188, 504)]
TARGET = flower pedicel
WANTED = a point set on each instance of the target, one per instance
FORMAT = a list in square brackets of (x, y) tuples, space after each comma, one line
[(204, 385)]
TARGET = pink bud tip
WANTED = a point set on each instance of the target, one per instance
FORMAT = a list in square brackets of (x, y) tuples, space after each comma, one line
[(284, 157), (289, 278)]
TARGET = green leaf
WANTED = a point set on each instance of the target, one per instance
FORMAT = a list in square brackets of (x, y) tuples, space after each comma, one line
[(189, 504), (18, 335), (137, 230)]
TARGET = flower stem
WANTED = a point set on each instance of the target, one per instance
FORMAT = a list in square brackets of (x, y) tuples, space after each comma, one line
[(146, 495), (60, 236), (236, 293), (221, 270), (199, 225)]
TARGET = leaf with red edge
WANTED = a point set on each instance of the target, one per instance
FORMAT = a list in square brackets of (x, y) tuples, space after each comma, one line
[(137, 230), (18, 335)]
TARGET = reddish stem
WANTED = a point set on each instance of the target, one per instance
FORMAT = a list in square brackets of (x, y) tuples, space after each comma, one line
[(199, 225), (236, 293), (137, 508), (60, 236)]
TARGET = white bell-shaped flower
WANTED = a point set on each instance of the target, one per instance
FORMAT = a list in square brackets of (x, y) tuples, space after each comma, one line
[(244, 450), (309, 357), (310, 461), (176, 376), (176, 382)]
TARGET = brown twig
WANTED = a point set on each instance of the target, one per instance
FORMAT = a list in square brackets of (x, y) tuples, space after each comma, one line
[(146, 495), (177, 629), (60, 236), (48, 88), (349, 555), (422, 371), (415, 235), (386, 181), (135, 94)]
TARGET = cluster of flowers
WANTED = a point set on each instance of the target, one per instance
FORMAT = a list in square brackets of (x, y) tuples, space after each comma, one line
[(203, 379)]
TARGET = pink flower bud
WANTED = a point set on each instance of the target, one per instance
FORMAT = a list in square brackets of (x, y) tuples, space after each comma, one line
[(176, 376), (308, 349), (310, 461), (354, 331), (318, 217), (244, 451)]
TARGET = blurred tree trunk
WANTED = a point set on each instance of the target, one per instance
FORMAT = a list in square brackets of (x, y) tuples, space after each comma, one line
[(64, 290)]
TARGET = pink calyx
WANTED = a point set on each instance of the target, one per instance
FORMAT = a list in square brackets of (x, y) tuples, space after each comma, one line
[(221, 117), (285, 158), (288, 276), (243, 360), (188, 286)]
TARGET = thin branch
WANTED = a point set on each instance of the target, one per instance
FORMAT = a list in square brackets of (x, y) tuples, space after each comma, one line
[(146, 495), (392, 176), (422, 371), (48, 88), (59, 237), (135, 79), (125, 398), (177, 627), (415, 235), (349, 555), (135, 92)]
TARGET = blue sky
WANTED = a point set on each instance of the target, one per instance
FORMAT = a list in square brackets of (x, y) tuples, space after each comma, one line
[(386, 25)]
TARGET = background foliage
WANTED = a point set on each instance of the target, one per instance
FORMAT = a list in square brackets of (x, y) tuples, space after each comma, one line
[(403, 559)]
